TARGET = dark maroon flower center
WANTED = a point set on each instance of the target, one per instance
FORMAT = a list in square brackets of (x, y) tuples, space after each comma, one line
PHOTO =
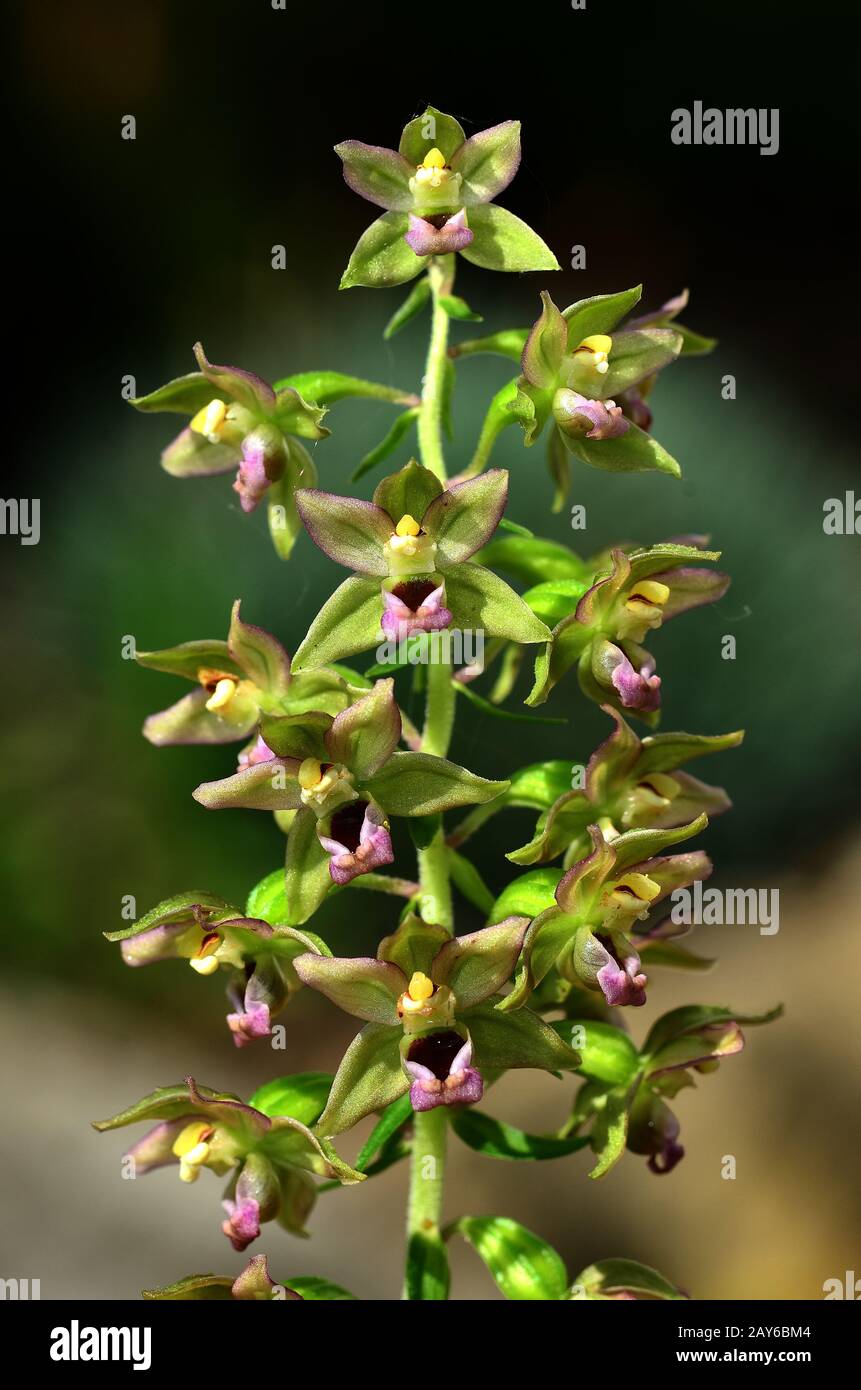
[(347, 824), (436, 1051), (413, 592)]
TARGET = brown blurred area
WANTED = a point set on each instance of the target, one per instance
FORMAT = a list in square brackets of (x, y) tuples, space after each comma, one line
[(787, 1109)]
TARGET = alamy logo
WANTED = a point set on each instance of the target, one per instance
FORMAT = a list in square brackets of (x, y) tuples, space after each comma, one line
[(25, 1289), (709, 126), (76, 1343), (452, 647), (20, 516), (712, 907)]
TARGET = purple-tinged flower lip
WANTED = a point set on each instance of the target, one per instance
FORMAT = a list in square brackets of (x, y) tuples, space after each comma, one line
[(621, 980), (440, 1066), (252, 481), (155, 1148), (249, 1023), (258, 752), (638, 689), (358, 841), (438, 235), (243, 1222), (665, 1160), (414, 605), (605, 418)]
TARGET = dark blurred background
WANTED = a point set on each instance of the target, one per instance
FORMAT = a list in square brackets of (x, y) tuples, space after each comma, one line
[(125, 253)]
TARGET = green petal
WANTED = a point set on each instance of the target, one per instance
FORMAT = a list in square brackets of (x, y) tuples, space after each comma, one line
[(502, 241)]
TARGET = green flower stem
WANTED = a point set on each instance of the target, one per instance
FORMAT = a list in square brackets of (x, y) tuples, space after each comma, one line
[(472, 822), (427, 1176), (435, 899), (441, 278)]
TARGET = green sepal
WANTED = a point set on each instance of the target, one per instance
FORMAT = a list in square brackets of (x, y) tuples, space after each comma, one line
[(637, 355), (409, 492), (194, 1288), (502, 241), (348, 623), (413, 945), (479, 599), (175, 909), (523, 1266), (494, 1139), (598, 314), (189, 657), (306, 872), (184, 395), (369, 1078), (610, 1130), (382, 257), (545, 346), (609, 1279), (517, 1039), (315, 1290), (297, 735), (632, 452), (260, 656), (448, 136)]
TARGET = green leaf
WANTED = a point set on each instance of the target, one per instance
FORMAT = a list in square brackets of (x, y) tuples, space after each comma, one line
[(457, 308), (306, 877), (427, 1274), (502, 241), (533, 560), (185, 395), (599, 314), (606, 1053), (381, 256), (315, 1290), (328, 387), (524, 1266), (509, 343), (497, 712), (348, 622), (555, 599), (403, 424), (609, 1278), (412, 305), (495, 1139), (302, 1096), (480, 600), (369, 1078), (468, 881), (392, 1120), (419, 784), (527, 896)]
